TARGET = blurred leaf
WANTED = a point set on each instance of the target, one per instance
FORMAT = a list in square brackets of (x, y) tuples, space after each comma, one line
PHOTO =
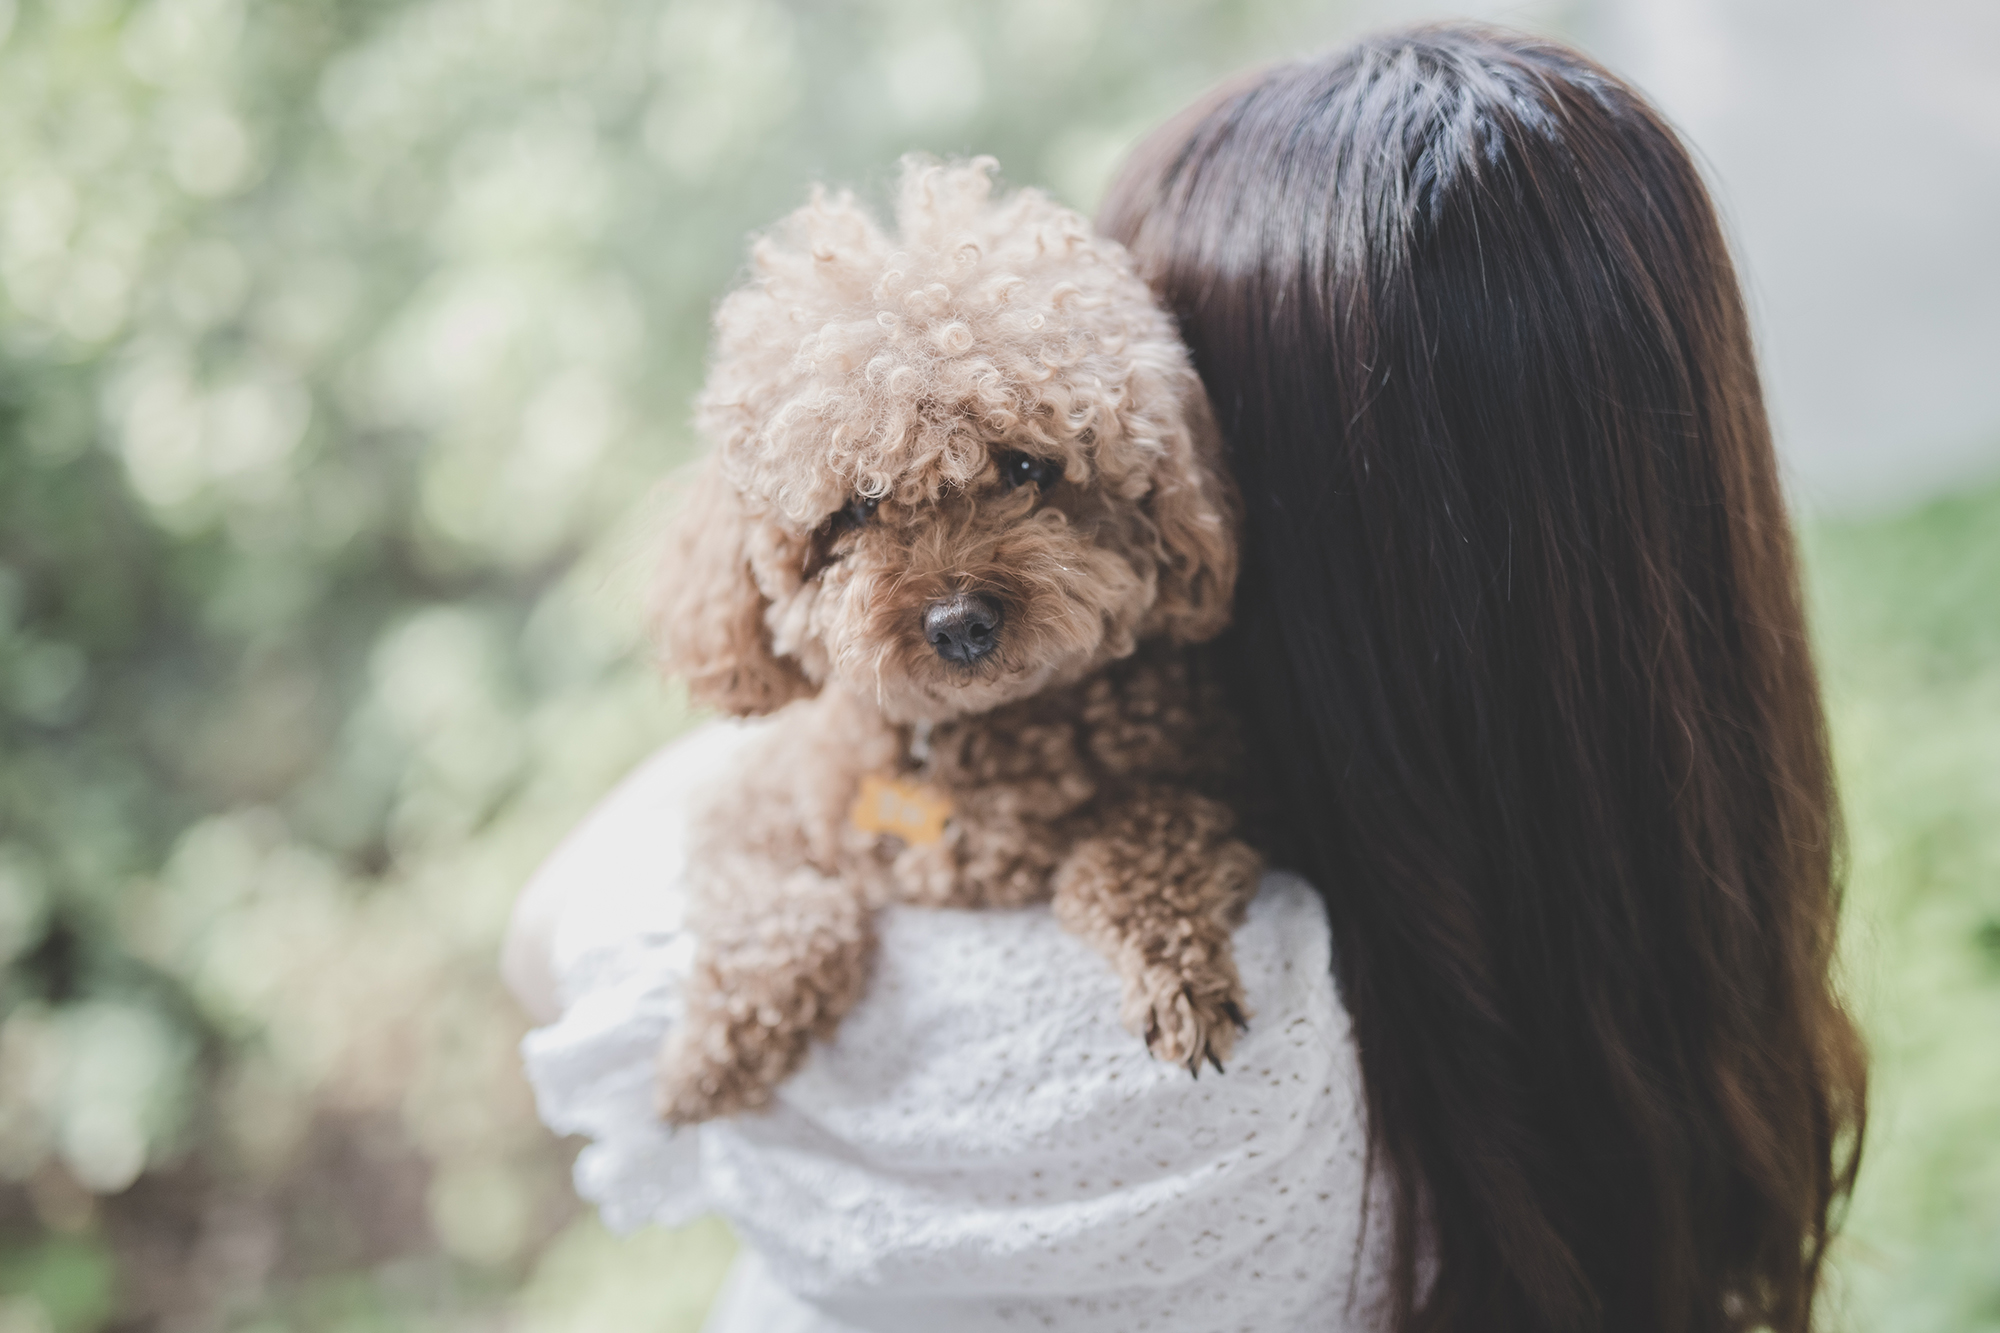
[(71, 1280), (1908, 614), (659, 1280)]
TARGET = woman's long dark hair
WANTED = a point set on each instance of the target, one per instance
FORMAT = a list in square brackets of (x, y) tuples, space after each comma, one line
[(1519, 639)]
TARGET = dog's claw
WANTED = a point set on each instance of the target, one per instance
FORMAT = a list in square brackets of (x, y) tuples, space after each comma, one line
[(1190, 1028)]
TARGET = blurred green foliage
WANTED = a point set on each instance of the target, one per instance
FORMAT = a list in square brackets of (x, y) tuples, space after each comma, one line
[(343, 344), (1908, 616)]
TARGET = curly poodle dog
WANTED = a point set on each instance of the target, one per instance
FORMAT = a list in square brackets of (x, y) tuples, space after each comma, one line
[(964, 515)]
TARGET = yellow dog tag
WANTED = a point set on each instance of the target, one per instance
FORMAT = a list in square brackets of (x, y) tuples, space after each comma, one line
[(901, 807)]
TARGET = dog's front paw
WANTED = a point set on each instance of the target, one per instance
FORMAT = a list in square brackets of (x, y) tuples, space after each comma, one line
[(1185, 1022)]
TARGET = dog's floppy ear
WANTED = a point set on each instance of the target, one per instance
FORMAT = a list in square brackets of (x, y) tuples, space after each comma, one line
[(708, 613), (1194, 509)]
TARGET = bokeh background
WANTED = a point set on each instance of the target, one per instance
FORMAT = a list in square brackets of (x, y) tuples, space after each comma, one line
[(344, 346)]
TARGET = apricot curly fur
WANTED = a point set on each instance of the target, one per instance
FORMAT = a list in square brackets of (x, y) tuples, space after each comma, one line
[(1085, 757)]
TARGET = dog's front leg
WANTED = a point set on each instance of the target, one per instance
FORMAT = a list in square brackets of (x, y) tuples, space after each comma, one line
[(1157, 886), (783, 955)]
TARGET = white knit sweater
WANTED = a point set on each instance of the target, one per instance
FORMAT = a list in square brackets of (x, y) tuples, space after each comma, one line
[(982, 1146)]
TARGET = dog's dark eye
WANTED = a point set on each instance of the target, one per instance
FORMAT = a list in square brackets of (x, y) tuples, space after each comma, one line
[(857, 513), (1017, 469)]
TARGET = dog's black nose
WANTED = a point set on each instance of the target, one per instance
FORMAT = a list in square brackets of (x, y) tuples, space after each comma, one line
[(963, 628)]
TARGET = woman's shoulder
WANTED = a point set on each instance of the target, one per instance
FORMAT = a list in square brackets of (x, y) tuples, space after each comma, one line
[(983, 1032), (993, 1127)]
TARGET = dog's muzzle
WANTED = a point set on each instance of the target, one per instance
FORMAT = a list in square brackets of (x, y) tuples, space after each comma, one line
[(964, 627)]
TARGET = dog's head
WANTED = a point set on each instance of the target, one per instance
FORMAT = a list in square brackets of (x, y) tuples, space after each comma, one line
[(953, 466)]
